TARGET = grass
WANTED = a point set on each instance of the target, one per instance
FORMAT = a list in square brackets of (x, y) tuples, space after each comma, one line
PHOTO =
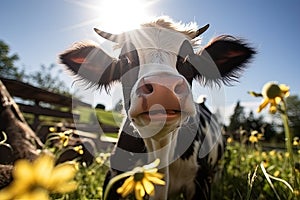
[(106, 117), (252, 173), (248, 171), (242, 175)]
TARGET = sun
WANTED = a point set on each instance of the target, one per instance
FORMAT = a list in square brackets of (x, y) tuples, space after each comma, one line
[(122, 15), (116, 16)]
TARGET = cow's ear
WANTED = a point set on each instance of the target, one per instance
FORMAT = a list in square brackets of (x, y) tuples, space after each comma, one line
[(223, 59), (230, 56), (92, 64)]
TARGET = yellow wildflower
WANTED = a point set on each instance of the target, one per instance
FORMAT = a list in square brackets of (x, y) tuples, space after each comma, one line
[(36, 180), (64, 139), (229, 140), (272, 153), (287, 154), (78, 149), (52, 129), (265, 163), (142, 181), (253, 139), (255, 136), (264, 154), (296, 141), (273, 94), (276, 173), (297, 193), (102, 158)]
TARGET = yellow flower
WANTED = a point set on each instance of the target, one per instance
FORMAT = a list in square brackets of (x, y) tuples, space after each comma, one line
[(296, 141), (276, 173), (297, 193), (37, 179), (272, 153), (142, 181), (253, 139), (273, 94), (264, 154), (255, 136), (287, 154), (64, 139), (102, 158), (52, 129), (229, 140), (265, 163), (78, 149)]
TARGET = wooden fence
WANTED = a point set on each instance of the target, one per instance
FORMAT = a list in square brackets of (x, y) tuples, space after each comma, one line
[(58, 105)]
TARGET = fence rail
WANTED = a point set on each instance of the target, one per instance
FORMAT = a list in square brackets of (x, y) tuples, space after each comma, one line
[(37, 95)]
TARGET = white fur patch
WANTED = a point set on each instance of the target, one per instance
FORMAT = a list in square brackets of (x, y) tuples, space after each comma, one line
[(183, 174)]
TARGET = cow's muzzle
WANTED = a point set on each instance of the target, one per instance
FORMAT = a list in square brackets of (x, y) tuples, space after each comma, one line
[(160, 98)]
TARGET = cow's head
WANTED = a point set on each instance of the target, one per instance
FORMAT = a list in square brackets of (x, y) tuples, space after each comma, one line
[(156, 66)]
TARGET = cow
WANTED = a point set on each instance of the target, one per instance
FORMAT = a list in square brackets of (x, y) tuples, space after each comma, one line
[(157, 64)]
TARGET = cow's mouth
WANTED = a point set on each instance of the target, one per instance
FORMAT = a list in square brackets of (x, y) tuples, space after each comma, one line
[(161, 115)]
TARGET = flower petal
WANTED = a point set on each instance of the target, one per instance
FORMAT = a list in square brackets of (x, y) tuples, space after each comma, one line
[(284, 88), (127, 187), (277, 100), (126, 182), (157, 175), (37, 194), (155, 180), (255, 94), (23, 171), (273, 109), (139, 191), (154, 170), (152, 165), (43, 167), (149, 187), (60, 174), (66, 187), (7, 193), (263, 104)]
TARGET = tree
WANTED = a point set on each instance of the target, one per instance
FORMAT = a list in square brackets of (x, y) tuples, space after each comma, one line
[(46, 79), (237, 119), (259, 124), (7, 63), (249, 122)]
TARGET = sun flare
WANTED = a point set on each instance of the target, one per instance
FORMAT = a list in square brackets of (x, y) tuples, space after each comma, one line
[(115, 16), (120, 15)]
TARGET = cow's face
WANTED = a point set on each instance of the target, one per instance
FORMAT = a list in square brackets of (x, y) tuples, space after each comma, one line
[(156, 67), (159, 97)]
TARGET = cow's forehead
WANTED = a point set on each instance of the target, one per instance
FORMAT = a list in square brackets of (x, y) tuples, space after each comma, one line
[(161, 39)]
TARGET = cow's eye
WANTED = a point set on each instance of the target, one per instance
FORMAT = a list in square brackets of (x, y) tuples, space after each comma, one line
[(185, 69)]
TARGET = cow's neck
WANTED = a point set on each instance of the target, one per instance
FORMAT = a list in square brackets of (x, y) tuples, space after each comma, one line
[(164, 149)]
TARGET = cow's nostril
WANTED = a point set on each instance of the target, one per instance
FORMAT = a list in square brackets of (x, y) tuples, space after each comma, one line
[(180, 87), (162, 85), (146, 88)]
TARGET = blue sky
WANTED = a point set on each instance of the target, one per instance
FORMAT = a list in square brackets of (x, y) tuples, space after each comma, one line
[(39, 30)]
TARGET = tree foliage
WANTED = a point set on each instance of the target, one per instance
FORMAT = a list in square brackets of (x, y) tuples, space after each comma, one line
[(249, 122), (7, 63), (45, 78), (238, 118)]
